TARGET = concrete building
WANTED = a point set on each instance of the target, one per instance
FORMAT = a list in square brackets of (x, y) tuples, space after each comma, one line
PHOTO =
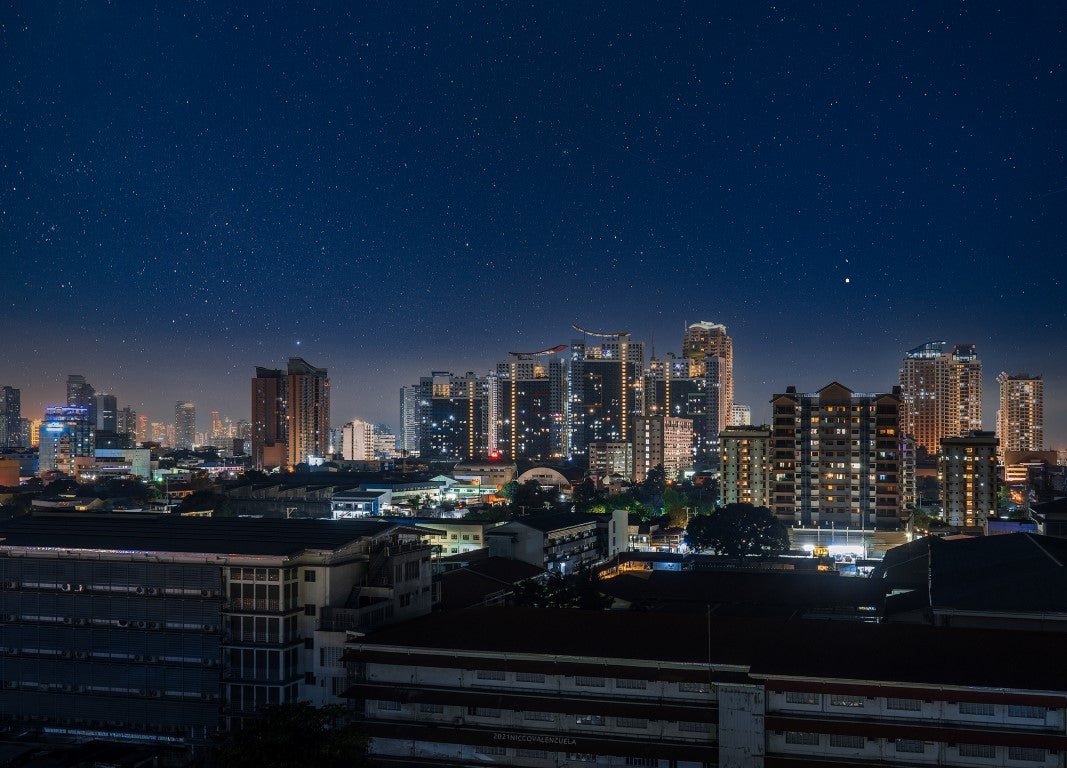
[(530, 405), (703, 341), (184, 425), (561, 542), (490, 474), (127, 424), (604, 688), (967, 474), (942, 393), (741, 415), (67, 440), (138, 460), (1021, 417), (163, 629), (687, 389), (605, 390), (837, 458), (357, 441), (353, 504), (107, 409), (447, 536), (611, 458), (665, 440), (745, 465)]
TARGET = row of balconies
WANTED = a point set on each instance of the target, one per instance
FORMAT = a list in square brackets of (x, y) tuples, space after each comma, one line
[(109, 589), (85, 621)]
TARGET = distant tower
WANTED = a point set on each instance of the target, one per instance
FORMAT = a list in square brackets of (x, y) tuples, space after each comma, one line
[(711, 351), (942, 393), (308, 409), (409, 420), (10, 417), (1021, 418), (80, 394), (605, 386), (184, 425), (107, 408)]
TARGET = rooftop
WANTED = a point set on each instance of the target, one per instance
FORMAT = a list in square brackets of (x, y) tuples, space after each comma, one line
[(171, 533), (554, 521)]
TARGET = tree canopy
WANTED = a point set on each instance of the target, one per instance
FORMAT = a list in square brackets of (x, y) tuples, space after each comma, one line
[(292, 735), (738, 530), (575, 590)]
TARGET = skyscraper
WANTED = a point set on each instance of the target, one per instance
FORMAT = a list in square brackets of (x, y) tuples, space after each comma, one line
[(703, 340), (837, 458), (127, 423), (10, 417), (409, 420), (1021, 417), (107, 407), (308, 410), (80, 394), (605, 385), (184, 425), (529, 405), (453, 416), (290, 414), (217, 435), (942, 393), (665, 440)]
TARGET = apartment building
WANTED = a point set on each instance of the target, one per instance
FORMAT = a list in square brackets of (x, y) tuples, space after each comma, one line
[(561, 542), (745, 463), (967, 473), (837, 458)]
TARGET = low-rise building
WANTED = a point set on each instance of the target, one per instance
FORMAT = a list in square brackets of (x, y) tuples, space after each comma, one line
[(163, 628), (562, 542)]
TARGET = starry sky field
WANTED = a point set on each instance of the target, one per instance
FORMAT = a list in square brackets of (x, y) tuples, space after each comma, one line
[(188, 190)]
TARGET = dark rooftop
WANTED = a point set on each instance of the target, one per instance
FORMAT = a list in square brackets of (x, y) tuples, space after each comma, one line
[(171, 533), (805, 648), (552, 521)]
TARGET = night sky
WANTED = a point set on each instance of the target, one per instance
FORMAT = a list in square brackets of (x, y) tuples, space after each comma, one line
[(385, 189)]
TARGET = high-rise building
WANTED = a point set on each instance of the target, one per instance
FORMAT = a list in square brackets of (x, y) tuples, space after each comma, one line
[(942, 393), (67, 435), (217, 434), (741, 415), (308, 410), (409, 420), (290, 414), (605, 389), (357, 442), (142, 429), (1021, 417), (837, 458), (745, 465), (530, 405), (702, 341), (677, 387), (184, 425), (107, 411), (967, 473), (80, 394), (10, 418), (127, 423), (33, 432), (662, 440), (453, 416), (384, 442)]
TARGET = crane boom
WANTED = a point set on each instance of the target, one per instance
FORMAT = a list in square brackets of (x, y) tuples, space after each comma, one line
[(549, 351), (601, 334)]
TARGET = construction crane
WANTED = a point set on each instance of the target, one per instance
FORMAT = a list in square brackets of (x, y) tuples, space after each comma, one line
[(602, 335), (543, 352)]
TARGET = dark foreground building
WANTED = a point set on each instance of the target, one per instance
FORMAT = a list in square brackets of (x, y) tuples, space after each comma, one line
[(169, 629), (543, 688)]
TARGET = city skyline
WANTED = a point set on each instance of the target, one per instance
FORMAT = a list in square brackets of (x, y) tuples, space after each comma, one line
[(194, 191)]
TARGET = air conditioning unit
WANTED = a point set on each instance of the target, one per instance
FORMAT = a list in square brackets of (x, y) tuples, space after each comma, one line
[(138, 658), (68, 620), (67, 687), (79, 587), (153, 591), (153, 659), (10, 617), (64, 654), (67, 587), (153, 625), (155, 694), (141, 590), (124, 622), (140, 624), (205, 593), (81, 654), (11, 585)]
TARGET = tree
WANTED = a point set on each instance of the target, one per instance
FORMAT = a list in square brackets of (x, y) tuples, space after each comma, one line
[(674, 504), (292, 735), (580, 589), (585, 494), (198, 501), (738, 530)]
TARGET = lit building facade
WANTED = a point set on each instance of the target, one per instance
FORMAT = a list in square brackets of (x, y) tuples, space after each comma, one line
[(409, 420), (290, 414), (530, 406), (357, 441), (611, 458), (837, 458), (107, 407), (740, 415), (80, 394), (665, 440), (942, 393), (679, 387), (605, 390), (127, 423), (1021, 417), (967, 473), (745, 465), (453, 416), (703, 341), (66, 436)]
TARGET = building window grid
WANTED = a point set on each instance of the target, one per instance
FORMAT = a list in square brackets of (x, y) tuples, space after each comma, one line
[(802, 738), (800, 697), (904, 705), (1027, 754)]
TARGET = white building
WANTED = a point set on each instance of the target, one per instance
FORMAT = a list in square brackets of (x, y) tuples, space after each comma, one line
[(357, 441), (740, 415)]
